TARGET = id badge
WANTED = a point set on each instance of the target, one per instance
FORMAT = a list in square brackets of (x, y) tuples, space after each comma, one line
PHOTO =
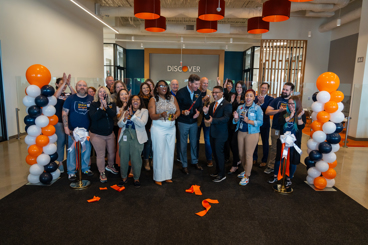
[(125, 138), (277, 132), (241, 125)]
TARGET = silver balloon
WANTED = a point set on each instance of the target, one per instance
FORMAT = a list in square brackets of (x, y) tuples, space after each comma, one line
[(52, 100), (34, 179), (56, 174), (36, 169), (33, 91), (30, 140)]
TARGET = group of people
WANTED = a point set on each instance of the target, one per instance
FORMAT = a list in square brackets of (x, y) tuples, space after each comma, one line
[(130, 130)]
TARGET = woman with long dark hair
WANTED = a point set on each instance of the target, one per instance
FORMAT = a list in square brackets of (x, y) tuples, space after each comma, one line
[(151, 85), (121, 102)]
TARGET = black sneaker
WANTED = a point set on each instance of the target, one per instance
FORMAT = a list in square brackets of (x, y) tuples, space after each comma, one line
[(288, 182), (272, 180), (219, 179), (72, 177), (268, 170), (137, 184), (122, 182)]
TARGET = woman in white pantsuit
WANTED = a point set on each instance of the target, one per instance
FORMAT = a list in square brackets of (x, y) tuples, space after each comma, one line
[(163, 109)]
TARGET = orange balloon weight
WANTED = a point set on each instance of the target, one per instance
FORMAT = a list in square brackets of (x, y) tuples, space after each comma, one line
[(53, 120), (311, 133), (333, 164), (323, 116), (42, 140), (331, 107), (316, 126), (328, 81), (48, 130), (38, 75), (329, 174), (337, 96), (320, 183), (34, 150), (30, 160)]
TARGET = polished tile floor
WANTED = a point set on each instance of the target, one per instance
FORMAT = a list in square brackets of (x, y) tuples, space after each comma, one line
[(352, 169)]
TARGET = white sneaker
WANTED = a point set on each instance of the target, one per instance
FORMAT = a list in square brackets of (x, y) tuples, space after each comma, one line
[(241, 175), (244, 181)]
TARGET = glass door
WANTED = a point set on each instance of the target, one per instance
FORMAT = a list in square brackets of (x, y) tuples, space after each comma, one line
[(3, 132)]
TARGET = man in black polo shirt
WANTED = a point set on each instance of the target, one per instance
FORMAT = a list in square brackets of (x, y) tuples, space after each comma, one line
[(190, 104)]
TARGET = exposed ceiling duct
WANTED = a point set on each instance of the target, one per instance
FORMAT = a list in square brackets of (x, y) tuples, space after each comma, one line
[(346, 18)]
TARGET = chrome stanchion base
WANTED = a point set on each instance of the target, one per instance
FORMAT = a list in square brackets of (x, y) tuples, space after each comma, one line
[(282, 189), (80, 185)]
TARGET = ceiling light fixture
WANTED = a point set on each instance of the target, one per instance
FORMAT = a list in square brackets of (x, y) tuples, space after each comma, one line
[(338, 23), (147, 9), (206, 26), (132, 38), (231, 40), (183, 45), (211, 10), (94, 16), (276, 10), (257, 26), (157, 25), (309, 33), (141, 45)]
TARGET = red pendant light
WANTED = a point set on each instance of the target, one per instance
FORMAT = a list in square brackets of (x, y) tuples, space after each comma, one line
[(147, 9), (208, 10), (157, 25), (257, 26), (276, 10), (206, 26), (300, 1)]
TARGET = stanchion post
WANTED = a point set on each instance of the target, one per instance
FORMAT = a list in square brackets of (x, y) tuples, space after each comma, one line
[(347, 131), (17, 116), (282, 189), (80, 184)]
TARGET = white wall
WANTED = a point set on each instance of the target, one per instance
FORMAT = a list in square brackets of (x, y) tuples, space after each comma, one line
[(54, 33)]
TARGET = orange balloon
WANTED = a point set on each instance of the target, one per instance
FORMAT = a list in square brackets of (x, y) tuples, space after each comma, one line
[(316, 126), (30, 160), (53, 120), (329, 174), (331, 106), (311, 133), (48, 130), (323, 116), (333, 164), (42, 140), (35, 150), (38, 75), (328, 81), (337, 96), (320, 183)]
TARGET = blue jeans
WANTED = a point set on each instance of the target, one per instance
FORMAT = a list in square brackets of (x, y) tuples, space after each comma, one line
[(61, 142), (292, 169), (147, 150), (207, 142), (71, 157), (185, 130)]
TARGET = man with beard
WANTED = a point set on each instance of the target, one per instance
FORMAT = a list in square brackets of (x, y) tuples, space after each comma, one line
[(109, 84), (276, 107), (75, 114)]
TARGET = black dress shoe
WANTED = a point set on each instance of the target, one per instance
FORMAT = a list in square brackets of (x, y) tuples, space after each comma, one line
[(185, 170), (219, 179), (214, 175), (197, 166)]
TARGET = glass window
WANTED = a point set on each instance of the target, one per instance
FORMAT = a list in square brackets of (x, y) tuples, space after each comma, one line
[(256, 57), (109, 71), (108, 54), (119, 56), (248, 55)]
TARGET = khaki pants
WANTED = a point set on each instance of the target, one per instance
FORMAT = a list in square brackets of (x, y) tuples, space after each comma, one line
[(246, 144), (273, 148), (101, 143)]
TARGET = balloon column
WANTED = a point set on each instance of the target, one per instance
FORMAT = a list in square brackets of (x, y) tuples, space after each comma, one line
[(326, 126), (40, 121)]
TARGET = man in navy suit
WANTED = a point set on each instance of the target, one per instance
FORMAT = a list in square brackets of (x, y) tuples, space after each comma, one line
[(263, 100), (218, 114)]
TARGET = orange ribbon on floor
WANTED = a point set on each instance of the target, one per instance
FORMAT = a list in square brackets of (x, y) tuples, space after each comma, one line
[(117, 188), (94, 199), (287, 172), (195, 189), (207, 206), (103, 188)]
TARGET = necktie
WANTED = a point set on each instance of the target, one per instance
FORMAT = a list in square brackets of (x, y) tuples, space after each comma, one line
[(214, 109)]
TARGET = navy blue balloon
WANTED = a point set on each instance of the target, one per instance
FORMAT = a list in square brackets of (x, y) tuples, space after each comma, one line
[(315, 155), (334, 138), (51, 167), (54, 157), (339, 127), (324, 147), (34, 111), (28, 120), (41, 101), (308, 162), (314, 96), (45, 178), (47, 90)]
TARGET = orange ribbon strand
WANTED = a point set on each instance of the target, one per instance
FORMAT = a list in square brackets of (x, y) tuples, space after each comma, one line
[(207, 206), (94, 199), (117, 188), (287, 172), (196, 189), (103, 188)]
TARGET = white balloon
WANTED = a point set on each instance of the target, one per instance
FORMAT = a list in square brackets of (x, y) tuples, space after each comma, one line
[(55, 174), (48, 110), (34, 131), (34, 179), (341, 106), (323, 97), (310, 180), (330, 182), (314, 116), (28, 101), (53, 138), (337, 117), (309, 151), (52, 100), (313, 172), (322, 166), (33, 91), (36, 169), (330, 157), (317, 106), (30, 140), (42, 121), (329, 127), (313, 145), (335, 147), (43, 159), (319, 136), (49, 149)]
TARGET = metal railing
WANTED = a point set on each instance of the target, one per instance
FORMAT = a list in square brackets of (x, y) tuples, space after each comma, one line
[(17, 116), (347, 131)]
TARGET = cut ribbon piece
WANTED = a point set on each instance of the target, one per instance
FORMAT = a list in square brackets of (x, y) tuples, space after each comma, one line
[(287, 141), (79, 135), (94, 199), (207, 206), (196, 189), (103, 188), (117, 188)]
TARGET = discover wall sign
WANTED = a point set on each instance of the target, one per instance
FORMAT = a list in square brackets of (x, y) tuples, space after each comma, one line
[(195, 69)]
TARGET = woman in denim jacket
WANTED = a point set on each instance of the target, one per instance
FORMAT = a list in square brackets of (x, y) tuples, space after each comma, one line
[(248, 119)]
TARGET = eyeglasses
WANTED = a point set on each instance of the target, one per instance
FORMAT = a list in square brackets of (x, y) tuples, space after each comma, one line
[(162, 86)]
